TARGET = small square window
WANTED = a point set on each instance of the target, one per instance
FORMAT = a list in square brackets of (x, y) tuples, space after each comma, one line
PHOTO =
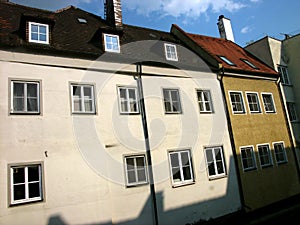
[(204, 101), (284, 75), (25, 97), (83, 100), (248, 158), (26, 183), (268, 102), (171, 52), (172, 101), (291, 107), (38, 33), (215, 162), (253, 102), (226, 60), (136, 172), (280, 153), (111, 43), (265, 157), (237, 103), (128, 100)]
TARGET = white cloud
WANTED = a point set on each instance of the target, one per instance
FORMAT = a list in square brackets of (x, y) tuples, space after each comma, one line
[(246, 29), (187, 8)]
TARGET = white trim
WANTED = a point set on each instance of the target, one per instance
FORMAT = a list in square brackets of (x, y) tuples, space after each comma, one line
[(270, 155), (39, 25), (259, 103), (82, 98), (253, 157), (243, 102), (179, 111), (118, 43), (274, 106), (284, 151), (172, 53), (128, 184), (136, 100), (217, 175), (209, 101)]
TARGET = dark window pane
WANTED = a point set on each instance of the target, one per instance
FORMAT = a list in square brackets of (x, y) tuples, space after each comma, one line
[(32, 105), (140, 162), (176, 174), (19, 104), (18, 89), (174, 160), (187, 173), (185, 158), (19, 192), (34, 190), (33, 173), (18, 175), (131, 176), (130, 163), (211, 169), (141, 175)]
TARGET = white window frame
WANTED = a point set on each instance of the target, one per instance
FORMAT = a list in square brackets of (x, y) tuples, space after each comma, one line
[(26, 184), (242, 102), (283, 71), (135, 169), (171, 52), (269, 155), (257, 102), (39, 25), (285, 160), (264, 103), (204, 102), (181, 165), (128, 101), (292, 112), (168, 91), (83, 98), (214, 149), (251, 157), (111, 43), (26, 97)]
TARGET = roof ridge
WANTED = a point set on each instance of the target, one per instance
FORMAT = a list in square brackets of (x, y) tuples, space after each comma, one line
[(65, 8)]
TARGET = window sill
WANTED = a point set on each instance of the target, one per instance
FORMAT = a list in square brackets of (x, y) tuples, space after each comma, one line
[(183, 184), (26, 202), (136, 185), (217, 177), (25, 113)]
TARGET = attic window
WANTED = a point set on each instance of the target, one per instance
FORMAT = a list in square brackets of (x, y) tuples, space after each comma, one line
[(227, 60), (111, 43), (250, 64), (82, 20), (171, 52), (38, 33)]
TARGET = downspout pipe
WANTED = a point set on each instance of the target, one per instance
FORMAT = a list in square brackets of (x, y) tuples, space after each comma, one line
[(220, 75), (138, 78)]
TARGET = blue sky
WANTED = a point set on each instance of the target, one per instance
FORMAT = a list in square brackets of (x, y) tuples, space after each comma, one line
[(250, 19)]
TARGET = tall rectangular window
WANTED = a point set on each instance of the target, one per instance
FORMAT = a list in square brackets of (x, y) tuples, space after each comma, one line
[(283, 71), (280, 153), (128, 100), (253, 102), (248, 158), (38, 33), (25, 97), (172, 101), (111, 43), (26, 183), (136, 172), (171, 52), (237, 103), (291, 107), (83, 100), (268, 102), (215, 162), (181, 167), (204, 101), (265, 157)]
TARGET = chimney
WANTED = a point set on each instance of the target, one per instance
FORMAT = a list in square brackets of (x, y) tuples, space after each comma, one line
[(113, 12), (225, 28)]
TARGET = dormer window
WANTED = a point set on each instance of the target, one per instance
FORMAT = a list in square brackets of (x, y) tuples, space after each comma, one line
[(111, 43), (38, 33), (249, 64), (171, 52), (227, 60)]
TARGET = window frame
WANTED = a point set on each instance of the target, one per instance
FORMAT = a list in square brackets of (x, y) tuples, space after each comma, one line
[(174, 55), (283, 153), (292, 111), (273, 102), (257, 103), (226, 60), (203, 101), (128, 112), (242, 102), (217, 175), (135, 169), (182, 181), (253, 158), (250, 64), (82, 98), (25, 96), (169, 90), (284, 75), (269, 156), (26, 182), (105, 43), (30, 23)]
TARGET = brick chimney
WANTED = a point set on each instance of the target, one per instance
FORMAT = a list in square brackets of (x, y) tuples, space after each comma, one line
[(225, 28), (113, 12)]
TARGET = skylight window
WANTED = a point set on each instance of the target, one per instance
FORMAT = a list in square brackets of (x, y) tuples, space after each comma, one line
[(249, 64), (227, 60), (82, 20)]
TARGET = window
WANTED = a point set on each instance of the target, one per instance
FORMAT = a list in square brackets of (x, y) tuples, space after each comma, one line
[(237, 103), (268, 102), (26, 183), (248, 158), (291, 107), (264, 153), (172, 101), (181, 167), (83, 100), (204, 101), (111, 43), (171, 53), (136, 172), (284, 75), (253, 102), (25, 97), (250, 64), (128, 100), (280, 153), (227, 60), (215, 162), (39, 33)]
